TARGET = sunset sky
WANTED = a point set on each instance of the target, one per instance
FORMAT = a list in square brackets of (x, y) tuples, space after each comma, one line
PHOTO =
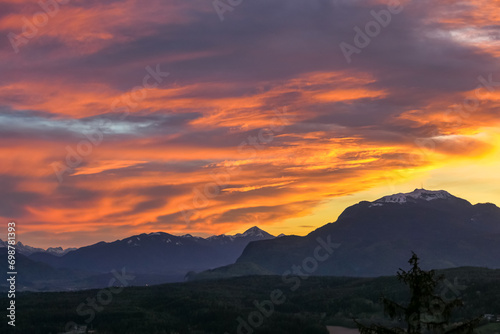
[(260, 120)]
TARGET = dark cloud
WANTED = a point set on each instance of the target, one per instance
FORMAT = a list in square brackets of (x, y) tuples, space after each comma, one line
[(14, 202)]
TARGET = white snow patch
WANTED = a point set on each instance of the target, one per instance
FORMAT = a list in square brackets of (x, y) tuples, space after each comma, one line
[(422, 194)]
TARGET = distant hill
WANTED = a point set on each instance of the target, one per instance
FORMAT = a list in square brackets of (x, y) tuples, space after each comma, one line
[(229, 271), (373, 238), (33, 275)]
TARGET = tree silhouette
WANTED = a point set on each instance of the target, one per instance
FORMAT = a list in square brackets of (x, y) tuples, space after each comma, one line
[(425, 312)]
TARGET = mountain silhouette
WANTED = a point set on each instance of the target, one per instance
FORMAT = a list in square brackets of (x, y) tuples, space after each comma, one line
[(376, 238)]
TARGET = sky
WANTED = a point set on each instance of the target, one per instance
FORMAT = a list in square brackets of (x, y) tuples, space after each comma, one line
[(121, 117)]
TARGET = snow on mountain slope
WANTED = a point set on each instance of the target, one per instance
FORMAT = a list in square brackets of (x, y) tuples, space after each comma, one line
[(28, 250), (417, 194)]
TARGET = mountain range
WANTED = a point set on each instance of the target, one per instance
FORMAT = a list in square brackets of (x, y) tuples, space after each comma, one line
[(157, 253), (153, 258), (368, 239), (28, 250), (376, 238)]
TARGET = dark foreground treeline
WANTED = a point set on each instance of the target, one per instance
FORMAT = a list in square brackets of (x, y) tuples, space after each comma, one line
[(264, 304)]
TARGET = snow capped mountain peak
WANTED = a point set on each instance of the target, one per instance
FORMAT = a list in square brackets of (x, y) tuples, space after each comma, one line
[(28, 250), (417, 194), (214, 237), (253, 232), (59, 250)]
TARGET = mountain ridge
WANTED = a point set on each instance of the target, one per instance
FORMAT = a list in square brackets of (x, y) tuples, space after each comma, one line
[(445, 230), (417, 194), (59, 251), (28, 250), (156, 253)]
